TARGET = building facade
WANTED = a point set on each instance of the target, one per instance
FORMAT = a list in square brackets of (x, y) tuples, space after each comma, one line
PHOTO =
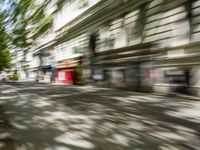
[(148, 45)]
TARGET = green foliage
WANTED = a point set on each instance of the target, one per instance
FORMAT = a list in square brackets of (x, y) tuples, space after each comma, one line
[(4, 37), (77, 50), (29, 22), (5, 59), (44, 25), (21, 23), (14, 76)]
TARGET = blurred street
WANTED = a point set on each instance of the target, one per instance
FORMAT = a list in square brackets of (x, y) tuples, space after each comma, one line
[(58, 117)]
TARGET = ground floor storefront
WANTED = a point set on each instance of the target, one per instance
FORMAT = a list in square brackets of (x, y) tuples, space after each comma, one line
[(129, 68), (70, 71), (172, 70), (178, 70)]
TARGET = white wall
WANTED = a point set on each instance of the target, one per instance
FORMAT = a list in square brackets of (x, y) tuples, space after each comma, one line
[(35, 62), (47, 37), (51, 7), (66, 49), (70, 11)]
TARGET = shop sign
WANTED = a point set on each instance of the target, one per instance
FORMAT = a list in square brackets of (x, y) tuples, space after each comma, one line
[(77, 50)]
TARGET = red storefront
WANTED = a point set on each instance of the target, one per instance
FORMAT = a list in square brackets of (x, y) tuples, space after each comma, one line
[(67, 71), (65, 76)]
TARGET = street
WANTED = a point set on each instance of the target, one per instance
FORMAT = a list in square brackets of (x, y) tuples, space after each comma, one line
[(58, 117)]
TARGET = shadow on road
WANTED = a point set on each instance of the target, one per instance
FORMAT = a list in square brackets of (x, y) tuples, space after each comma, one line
[(84, 118), (6, 141)]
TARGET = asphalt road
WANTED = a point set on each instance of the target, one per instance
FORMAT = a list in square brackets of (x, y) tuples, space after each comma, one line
[(59, 117)]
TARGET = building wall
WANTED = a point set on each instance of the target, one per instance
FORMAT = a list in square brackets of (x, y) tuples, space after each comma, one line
[(164, 22), (65, 15), (71, 48), (167, 25), (196, 21)]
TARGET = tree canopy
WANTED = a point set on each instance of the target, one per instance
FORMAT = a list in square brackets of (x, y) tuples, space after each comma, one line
[(21, 23), (5, 57), (29, 21)]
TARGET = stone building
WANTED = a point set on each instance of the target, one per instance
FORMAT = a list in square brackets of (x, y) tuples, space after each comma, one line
[(148, 45)]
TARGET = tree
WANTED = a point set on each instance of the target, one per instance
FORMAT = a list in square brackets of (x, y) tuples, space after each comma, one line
[(21, 23), (29, 22), (5, 57)]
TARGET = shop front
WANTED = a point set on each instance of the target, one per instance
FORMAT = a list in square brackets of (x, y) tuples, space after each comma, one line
[(46, 74), (70, 71), (178, 71), (128, 68)]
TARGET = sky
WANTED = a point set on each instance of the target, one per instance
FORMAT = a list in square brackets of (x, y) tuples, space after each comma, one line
[(4, 4)]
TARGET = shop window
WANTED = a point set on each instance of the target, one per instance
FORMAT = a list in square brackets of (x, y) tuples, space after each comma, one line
[(61, 75)]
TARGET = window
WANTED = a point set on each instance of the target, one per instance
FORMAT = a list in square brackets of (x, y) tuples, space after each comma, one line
[(83, 4)]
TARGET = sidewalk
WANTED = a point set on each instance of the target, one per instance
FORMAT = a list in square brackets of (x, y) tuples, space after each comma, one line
[(85, 117), (186, 96), (92, 85), (6, 141), (177, 95)]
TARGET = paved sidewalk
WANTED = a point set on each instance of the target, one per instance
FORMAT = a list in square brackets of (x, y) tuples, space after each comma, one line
[(56, 117), (6, 141)]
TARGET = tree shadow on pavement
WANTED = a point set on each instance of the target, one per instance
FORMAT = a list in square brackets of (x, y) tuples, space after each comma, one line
[(6, 141), (100, 119), (139, 121)]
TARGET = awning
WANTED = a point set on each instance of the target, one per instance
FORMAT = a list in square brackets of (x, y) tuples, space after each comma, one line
[(47, 68), (41, 53)]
